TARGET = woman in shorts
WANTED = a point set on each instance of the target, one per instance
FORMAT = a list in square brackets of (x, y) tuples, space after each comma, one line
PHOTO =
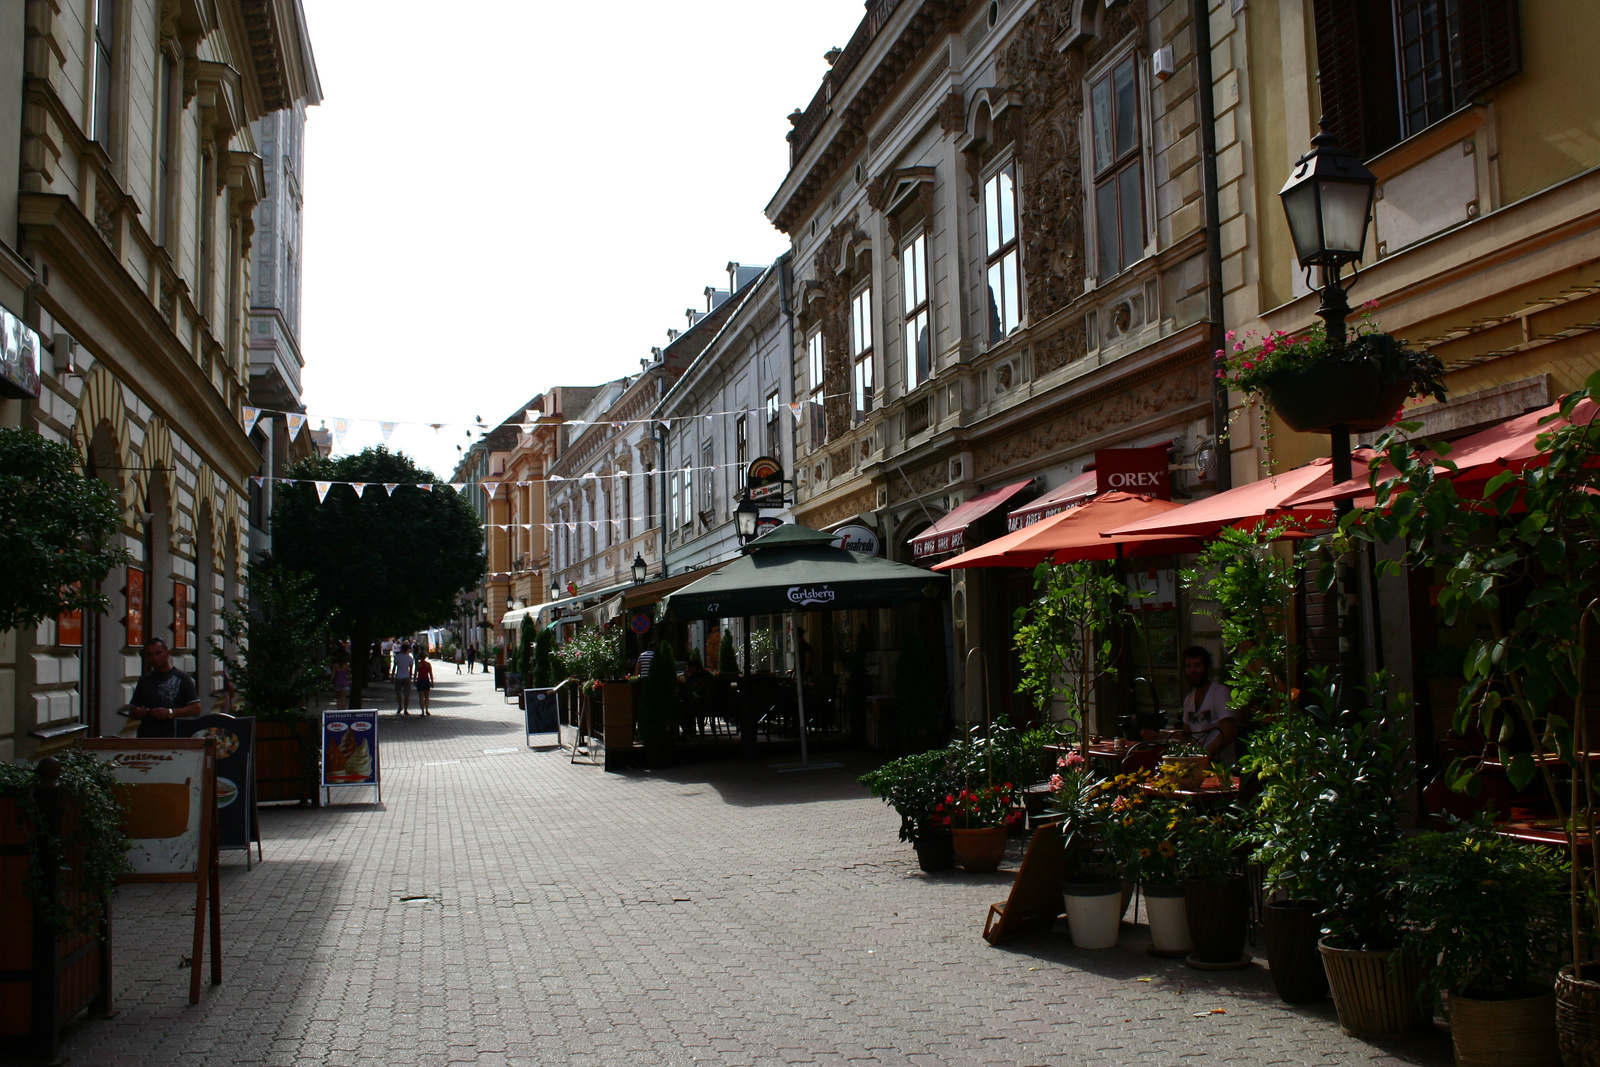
[(424, 681)]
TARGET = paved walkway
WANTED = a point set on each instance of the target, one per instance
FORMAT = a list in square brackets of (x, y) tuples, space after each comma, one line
[(506, 907)]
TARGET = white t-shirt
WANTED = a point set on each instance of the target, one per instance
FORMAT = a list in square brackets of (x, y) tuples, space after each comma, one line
[(1202, 722), (386, 647), (402, 666)]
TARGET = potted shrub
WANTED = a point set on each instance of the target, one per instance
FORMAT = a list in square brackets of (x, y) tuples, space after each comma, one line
[(1283, 757), (657, 713), (1314, 384), (1488, 914), (1092, 889), (1349, 831), (1144, 833), (916, 787), (979, 818), (1216, 897)]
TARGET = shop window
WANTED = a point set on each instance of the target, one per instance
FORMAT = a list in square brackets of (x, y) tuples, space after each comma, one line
[(1118, 167), (914, 303), (1000, 253)]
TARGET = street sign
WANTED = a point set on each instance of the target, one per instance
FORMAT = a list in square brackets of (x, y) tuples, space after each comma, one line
[(640, 623), (764, 479)]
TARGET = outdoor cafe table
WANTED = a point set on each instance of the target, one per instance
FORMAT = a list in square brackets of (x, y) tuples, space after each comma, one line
[(1548, 832), (1211, 791), (1097, 750)]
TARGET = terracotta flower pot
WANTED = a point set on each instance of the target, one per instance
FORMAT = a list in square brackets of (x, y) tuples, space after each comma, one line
[(935, 850), (1578, 1014), (1293, 931), (1094, 913), (1373, 999), (1520, 1032), (1219, 917), (1336, 392), (1169, 920), (979, 851)]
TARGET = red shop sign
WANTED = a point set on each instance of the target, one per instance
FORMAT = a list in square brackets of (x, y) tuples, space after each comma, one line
[(180, 615), (135, 618), (1133, 470)]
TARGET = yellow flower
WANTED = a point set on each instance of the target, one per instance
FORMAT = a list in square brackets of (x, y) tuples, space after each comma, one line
[(1144, 853), (1167, 850), (1127, 820)]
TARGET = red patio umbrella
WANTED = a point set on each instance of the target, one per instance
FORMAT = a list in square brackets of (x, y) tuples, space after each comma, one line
[(1246, 505), (1076, 535), (1508, 445)]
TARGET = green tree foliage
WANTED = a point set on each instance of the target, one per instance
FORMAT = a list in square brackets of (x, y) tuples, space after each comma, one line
[(273, 643), (1249, 588), (543, 670), (389, 564), (658, 699), (727, 659), (525, 639), (1067, 636), (56, 526), (916, 702)]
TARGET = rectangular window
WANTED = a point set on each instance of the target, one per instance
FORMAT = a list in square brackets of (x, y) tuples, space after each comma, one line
[(774, 441), (708, 500), (673, 483), (1423, 30), (208, 214), (861, 351), (1001, 254), (815, 365), (104, 25), (649, 498), (1119, 175), (741, 440), (165, 133), (625, 484), (914, 302)]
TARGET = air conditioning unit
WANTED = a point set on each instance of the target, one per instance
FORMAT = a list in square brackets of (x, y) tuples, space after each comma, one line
[(1162, 64)]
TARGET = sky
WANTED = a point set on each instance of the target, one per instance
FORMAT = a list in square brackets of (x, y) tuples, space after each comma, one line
[(508, 195)]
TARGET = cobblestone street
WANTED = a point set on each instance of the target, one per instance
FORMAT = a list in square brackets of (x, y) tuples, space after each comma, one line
[(506, 907)]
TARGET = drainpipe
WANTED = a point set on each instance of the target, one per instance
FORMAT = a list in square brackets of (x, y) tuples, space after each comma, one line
[(1201, 17), (788, 336)]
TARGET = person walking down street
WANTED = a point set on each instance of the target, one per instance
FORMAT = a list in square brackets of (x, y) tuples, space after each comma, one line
[(472, 657), (163, 694), (460, 657), (341, 682), (424, 683), (402, 679), (387, 649)]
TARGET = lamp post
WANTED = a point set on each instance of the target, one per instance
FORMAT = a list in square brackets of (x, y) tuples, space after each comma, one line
[(1328, 201), (638, 568), (745, 517)]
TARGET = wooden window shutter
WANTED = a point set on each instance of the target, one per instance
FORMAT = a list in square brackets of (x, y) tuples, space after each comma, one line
[(1487, 48), (1338, 27)]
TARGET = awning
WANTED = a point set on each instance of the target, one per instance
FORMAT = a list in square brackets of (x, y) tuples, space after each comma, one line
[(1075, 491), (513, 619), (604, 611), (1248, 504), (1075, 534), (573, 603), (647, 593), (949, 534)]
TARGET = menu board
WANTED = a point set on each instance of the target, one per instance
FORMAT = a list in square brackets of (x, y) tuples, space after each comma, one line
[(163, 785), (235, 737), (350, 748)]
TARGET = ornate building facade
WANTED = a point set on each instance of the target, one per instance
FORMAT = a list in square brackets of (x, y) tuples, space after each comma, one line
[(139, 177)]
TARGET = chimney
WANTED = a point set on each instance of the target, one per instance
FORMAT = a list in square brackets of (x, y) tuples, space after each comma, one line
[(715, 297)]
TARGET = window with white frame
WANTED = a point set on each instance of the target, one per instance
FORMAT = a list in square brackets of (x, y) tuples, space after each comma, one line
[(914, 302), (861, 352), (708, 485), (1118, 167), (105, 17), (774, 441), (686, 518), (815, 366), (1001, 255), (673, 485)]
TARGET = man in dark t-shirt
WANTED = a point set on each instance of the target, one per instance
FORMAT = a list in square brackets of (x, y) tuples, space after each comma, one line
[(163, 694)]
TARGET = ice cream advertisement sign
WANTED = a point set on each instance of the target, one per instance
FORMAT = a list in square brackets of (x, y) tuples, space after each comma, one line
[(350, 747)]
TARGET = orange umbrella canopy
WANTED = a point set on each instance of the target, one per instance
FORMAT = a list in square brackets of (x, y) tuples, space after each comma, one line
[(1076, 535), (1246, 505)]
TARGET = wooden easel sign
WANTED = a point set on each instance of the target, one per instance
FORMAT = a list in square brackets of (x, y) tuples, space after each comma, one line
[(169, 790)]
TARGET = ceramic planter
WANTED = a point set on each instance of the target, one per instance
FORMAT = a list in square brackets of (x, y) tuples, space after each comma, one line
[(1192, 770), (1348, 393), (1520, 1032), (935, 851), (979, 851), (1169, 920), (1293, 930), (1374, 1001), (1094, 912), (1219, 917), (1578, 1014)]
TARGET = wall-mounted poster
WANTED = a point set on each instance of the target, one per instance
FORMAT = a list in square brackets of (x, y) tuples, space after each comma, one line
[(350, 749), (69, 625), (180, 615), (19, 358), (135, 617)]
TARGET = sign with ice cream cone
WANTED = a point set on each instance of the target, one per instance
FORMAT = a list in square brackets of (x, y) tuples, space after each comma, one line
[(350, 749)]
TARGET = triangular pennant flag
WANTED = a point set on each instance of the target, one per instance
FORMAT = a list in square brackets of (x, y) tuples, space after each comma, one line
[(340, 428), (289, 481), (572, 527), (250, 417), (387, 428), (436, 426), (587, 474), (258, 479), (794, 409), (426, 487), (490, 487), (556, 478), (576, 422), (666, 424), (458, 486), (322, 490), (389, 487), (594, 524), (359, 487), (296, 423)]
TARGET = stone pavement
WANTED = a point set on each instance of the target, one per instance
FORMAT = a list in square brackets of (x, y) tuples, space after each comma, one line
[(506, 907)]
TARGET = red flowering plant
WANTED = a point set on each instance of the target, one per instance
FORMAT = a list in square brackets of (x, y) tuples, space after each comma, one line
[(981, 808)]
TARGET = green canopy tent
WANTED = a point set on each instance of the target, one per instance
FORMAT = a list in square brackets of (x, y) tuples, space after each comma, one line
[(793, 569)]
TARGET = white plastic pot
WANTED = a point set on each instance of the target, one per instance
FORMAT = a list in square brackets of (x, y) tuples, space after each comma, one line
[(1094, 913), (1169, 920)]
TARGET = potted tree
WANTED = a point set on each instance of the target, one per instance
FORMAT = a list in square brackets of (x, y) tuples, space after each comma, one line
[(1315, 384), (916, 787), (1488, 913)]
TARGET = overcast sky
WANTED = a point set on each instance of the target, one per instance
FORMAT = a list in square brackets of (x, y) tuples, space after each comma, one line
[(503, 196)]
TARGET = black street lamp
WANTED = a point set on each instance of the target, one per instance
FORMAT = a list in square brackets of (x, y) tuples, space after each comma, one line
[(638, 568), (1328, 200), (555, 590), (745, 517)]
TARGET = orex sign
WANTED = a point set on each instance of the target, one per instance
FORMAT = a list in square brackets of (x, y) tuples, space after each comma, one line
[(1133, 470)]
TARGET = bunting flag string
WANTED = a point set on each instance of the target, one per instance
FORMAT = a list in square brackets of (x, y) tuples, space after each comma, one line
[(322, 490), (296, 423), (251, 416)]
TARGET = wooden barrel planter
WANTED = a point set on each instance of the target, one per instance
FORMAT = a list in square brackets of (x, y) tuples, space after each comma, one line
[(46, 978), (1374, 1000), (288, 760)]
